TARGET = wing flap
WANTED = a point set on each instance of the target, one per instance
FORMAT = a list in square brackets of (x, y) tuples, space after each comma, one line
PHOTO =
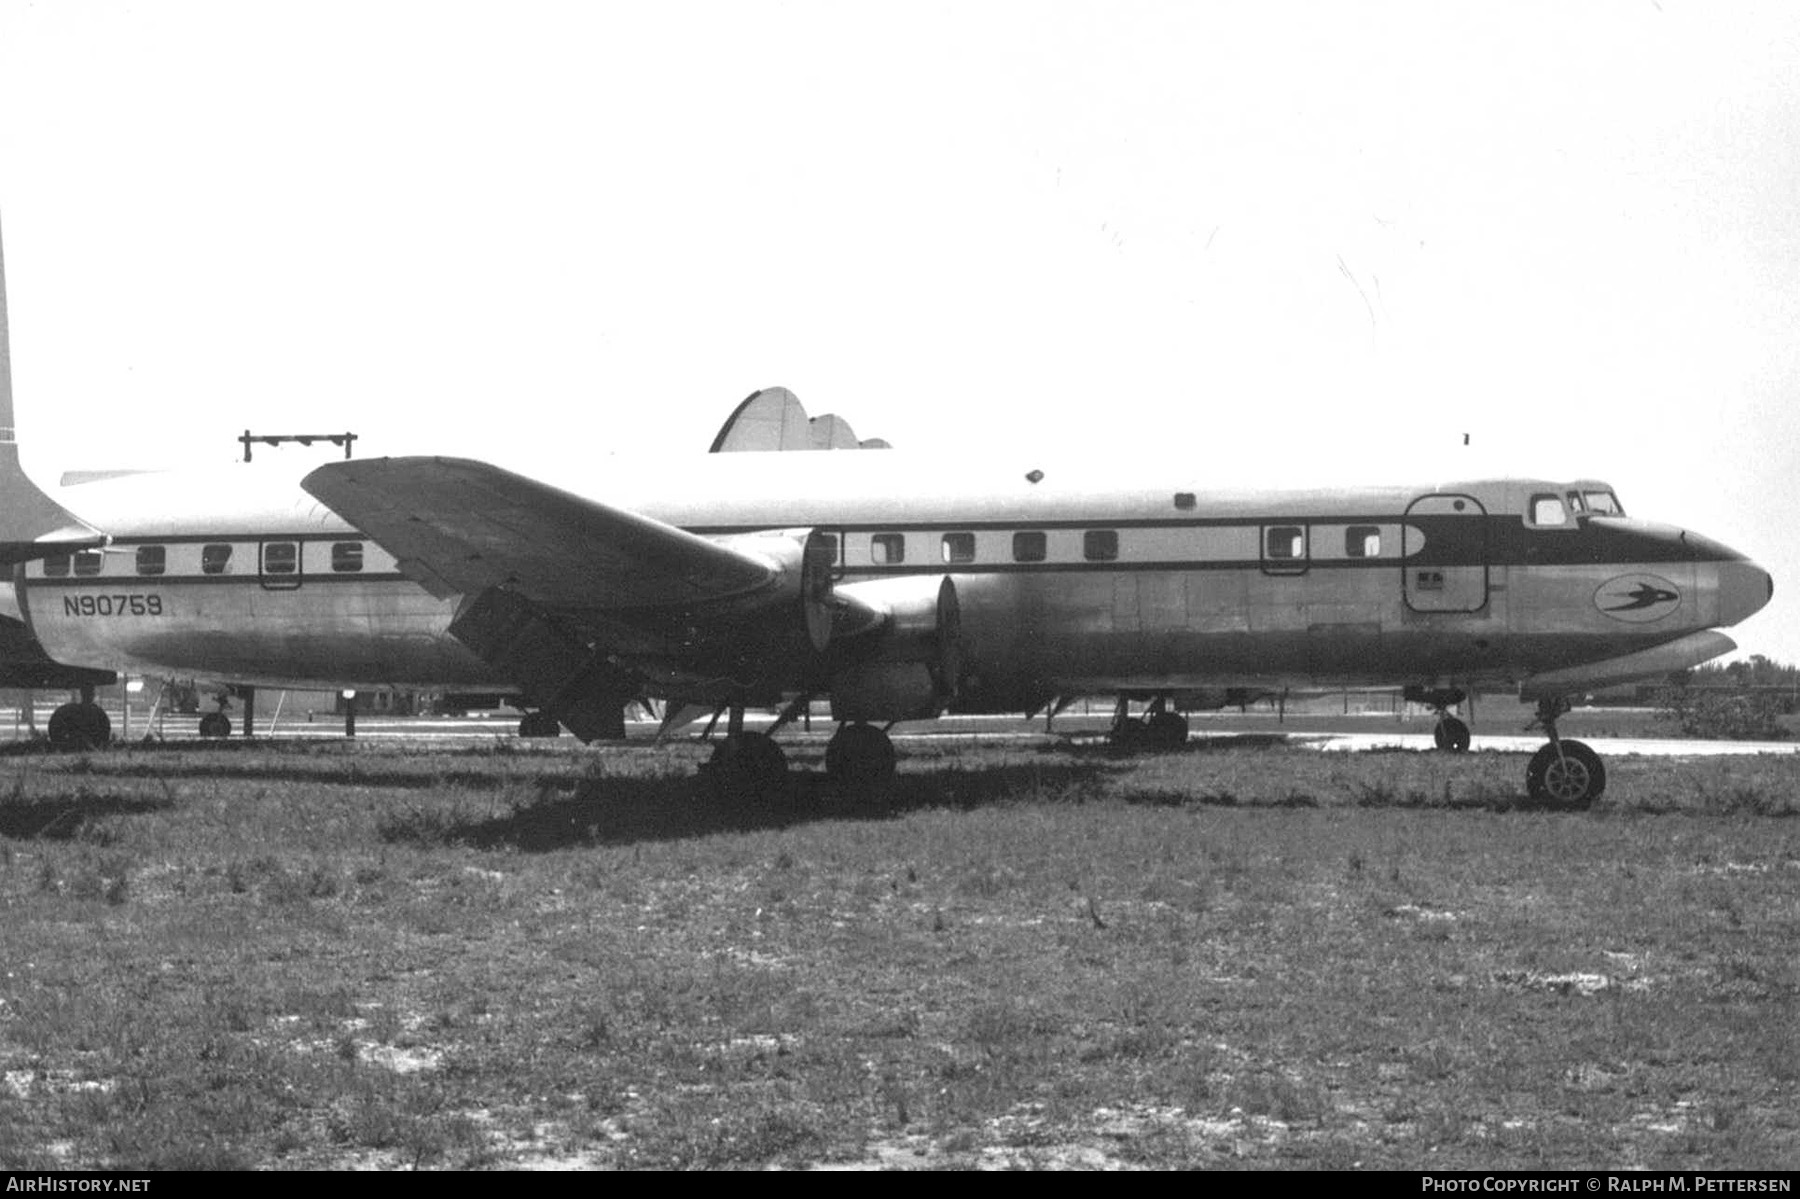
[(460, 526)]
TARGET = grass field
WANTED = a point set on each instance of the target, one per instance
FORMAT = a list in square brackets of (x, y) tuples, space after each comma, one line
[(325, 955)]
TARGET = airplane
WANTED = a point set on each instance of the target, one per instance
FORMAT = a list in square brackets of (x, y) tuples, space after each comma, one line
[(893, 589)]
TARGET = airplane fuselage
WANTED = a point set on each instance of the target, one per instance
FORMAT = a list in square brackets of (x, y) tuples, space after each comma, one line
[(1063, 588)]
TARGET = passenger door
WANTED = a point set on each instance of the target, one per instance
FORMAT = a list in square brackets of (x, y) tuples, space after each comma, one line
[(1444, 554)]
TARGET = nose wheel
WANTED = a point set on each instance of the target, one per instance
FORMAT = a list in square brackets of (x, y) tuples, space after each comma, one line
[(1563, 774)]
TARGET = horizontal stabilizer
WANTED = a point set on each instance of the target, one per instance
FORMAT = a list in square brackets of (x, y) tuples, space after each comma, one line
[(773, 419)]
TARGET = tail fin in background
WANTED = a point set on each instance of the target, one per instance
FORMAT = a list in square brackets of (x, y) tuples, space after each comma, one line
[(32, 525), (773, 419)]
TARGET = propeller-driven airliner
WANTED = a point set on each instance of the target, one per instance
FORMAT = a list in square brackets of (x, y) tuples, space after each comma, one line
[(760, 577)]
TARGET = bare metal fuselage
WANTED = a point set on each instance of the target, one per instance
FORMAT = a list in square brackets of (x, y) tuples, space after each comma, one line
[(1062, 589)]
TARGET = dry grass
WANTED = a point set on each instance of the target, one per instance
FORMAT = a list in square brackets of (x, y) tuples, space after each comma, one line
[(326, 955)]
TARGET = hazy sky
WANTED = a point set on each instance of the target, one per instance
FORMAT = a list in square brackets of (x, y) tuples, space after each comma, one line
[(1282, 241)]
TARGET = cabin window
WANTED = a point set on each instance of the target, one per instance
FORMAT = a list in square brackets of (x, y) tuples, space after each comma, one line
[(281, 558), (152, 559), (1285, 543), (56, 566), (825, 547), (1548, 510), (887, 549), (89, 562), (1184, 500), (346, 556), (959, 547), (215, 559), (1362, 541), (1100, 545), (1030, 546)]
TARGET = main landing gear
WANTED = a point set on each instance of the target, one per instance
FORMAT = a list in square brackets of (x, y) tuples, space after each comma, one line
[(750, 766), (83, 725), (1160, 727), (1563, 774), (1449, 734), (540, 724)]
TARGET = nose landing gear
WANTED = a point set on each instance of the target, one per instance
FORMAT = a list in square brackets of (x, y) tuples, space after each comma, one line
[(1563, 774)]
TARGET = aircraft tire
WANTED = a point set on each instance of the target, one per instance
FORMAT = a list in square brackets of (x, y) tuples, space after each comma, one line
[(749, 769), (1571, 780), (80, 726), (540, 724), (1166, 730), (859, 759), (215, 725), (1451, 735)]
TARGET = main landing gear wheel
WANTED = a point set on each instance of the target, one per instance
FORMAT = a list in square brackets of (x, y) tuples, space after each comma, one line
[(860, 760), (748, 767), (1165, 730), (540, 724), (80, 726), (1565, 774), (215, 725), (1451, 734)]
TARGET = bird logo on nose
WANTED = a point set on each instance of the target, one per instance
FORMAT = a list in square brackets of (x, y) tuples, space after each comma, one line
[(1637, 598)]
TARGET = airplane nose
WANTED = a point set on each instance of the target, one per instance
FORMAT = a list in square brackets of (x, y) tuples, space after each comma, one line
[(1744, 590)]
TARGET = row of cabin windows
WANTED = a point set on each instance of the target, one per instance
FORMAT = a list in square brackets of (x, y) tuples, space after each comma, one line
[(278, 558), (1281, 542), (1287, 543), (1030, 545)]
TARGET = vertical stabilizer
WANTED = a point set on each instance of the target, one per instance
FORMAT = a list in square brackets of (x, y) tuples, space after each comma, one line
[(31, 523)]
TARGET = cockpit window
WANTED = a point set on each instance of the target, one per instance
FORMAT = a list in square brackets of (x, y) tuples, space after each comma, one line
[(1604, 503), (1548, 510), (1576, 505)]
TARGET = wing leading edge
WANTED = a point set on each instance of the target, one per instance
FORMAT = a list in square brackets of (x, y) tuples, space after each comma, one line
[(461, 526)]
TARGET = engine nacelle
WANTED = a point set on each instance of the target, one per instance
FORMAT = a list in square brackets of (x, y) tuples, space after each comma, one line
[(905, 661), (803, 560)]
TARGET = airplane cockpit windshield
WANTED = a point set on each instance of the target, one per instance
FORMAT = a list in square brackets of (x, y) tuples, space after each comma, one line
[(1604, 503), (1574, 503), (1595, 502)]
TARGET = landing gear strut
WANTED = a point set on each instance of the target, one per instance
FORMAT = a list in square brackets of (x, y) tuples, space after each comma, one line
[(1563, 774)]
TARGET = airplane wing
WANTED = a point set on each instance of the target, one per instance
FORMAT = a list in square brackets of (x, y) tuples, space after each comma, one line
[(460, 526)]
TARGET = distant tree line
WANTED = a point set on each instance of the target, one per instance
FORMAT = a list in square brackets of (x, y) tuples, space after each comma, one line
[(1737, 701)]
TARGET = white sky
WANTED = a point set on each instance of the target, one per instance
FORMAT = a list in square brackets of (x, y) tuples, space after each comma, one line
[(1259, 240)]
